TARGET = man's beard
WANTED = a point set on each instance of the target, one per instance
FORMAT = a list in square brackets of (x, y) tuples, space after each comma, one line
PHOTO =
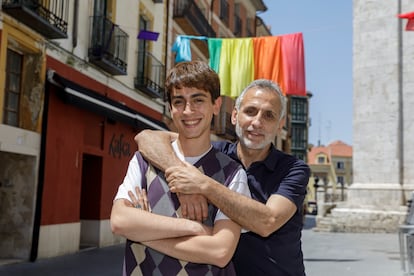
[(249, 143)]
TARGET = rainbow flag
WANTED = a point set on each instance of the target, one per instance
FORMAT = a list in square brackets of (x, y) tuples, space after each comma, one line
[(238, 61)]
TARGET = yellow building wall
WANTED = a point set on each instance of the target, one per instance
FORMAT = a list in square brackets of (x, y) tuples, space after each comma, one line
[(19, 38)]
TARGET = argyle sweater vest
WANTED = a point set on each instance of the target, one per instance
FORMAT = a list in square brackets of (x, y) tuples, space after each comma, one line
[(142, 260)]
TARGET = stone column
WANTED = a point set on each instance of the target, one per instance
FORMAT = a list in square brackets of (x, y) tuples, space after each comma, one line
[(383, 119)]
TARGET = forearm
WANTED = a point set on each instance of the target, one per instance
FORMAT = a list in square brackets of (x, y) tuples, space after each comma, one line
[(249, 213), (216, 250), (262, 219), (156, 147), (139, 225)]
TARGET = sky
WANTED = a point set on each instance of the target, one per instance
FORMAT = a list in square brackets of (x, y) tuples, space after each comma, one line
[(326, 26)]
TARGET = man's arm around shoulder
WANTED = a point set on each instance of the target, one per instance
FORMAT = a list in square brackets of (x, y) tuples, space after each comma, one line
[(253, 215)]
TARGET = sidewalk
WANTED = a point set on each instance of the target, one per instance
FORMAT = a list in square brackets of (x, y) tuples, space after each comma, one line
[(105, 261), (356, 254), (325, 254)]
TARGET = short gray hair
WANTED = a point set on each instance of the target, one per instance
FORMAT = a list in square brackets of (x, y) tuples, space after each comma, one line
[(268, 85)]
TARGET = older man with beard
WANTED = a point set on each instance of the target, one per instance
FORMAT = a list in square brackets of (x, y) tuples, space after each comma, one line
[(277, 182)]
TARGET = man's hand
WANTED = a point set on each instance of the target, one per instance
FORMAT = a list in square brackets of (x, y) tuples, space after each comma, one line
[(193, 207), (185, 179), (161, 156)]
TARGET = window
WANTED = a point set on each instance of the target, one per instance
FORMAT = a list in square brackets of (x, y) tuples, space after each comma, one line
[(299, 109), (237, 20), (321, 159), (299, 136), (13, 88), (105, 8), (340, 180), (340, 165), (142, 47), (299, 155), (224, 11), (250, 24)]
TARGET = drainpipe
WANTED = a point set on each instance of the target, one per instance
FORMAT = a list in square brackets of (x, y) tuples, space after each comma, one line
[(164, 111), (75, 24), (41, 177), (400, 108)]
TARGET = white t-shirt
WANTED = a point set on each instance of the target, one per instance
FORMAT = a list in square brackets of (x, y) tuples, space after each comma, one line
[(133, 179)]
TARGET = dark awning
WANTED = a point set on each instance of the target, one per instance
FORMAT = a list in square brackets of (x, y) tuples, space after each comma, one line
[(85, 98)]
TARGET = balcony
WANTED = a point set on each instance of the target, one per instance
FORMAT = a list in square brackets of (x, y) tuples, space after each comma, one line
[(47, 17), (108, 46), (237, 25), (150, 75), (193, 22), (191, 19)]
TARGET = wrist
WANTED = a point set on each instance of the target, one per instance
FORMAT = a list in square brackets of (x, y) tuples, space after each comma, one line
[(196, 228), (207, 187)]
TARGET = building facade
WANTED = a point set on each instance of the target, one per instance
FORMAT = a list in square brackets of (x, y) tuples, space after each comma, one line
[(78, 80), (331, 164), (331, 175), (383, 159), (297, 126)]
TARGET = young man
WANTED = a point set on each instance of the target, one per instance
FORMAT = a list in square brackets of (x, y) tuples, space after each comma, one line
[(277, 182), (160, 242)]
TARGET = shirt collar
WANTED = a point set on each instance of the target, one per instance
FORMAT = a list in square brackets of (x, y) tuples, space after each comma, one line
[(270, 160)]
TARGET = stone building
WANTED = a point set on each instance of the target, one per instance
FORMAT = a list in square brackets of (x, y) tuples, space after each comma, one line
[(383, 129), (331, 165), (78, 80)]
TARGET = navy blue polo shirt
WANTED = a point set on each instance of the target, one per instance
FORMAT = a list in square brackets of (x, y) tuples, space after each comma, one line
[(281, 252)]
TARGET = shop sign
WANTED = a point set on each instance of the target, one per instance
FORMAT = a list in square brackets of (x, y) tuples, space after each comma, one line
[(118, 147)]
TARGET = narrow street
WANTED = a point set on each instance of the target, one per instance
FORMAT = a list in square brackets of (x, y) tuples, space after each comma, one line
[(339, 254)]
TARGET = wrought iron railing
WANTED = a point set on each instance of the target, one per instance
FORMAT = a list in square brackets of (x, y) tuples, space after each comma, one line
[(108, 46), (150, 75), (48, 17), (195, 17)]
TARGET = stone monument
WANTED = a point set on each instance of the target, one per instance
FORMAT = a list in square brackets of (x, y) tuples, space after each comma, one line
[(383, 119)]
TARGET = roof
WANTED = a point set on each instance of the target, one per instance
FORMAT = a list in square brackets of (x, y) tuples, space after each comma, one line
[(334, 149), (259, 5)]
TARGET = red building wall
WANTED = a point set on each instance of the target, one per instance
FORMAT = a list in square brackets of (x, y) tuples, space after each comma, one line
[(78, 138)]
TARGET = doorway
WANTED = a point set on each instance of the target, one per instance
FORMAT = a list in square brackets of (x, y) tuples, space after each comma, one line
[(90, 202)]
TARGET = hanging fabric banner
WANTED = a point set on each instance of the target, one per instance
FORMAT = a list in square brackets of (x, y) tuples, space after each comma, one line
[(236, 68), (238, 61), (293, 57), (182, 47), (268, 59)]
